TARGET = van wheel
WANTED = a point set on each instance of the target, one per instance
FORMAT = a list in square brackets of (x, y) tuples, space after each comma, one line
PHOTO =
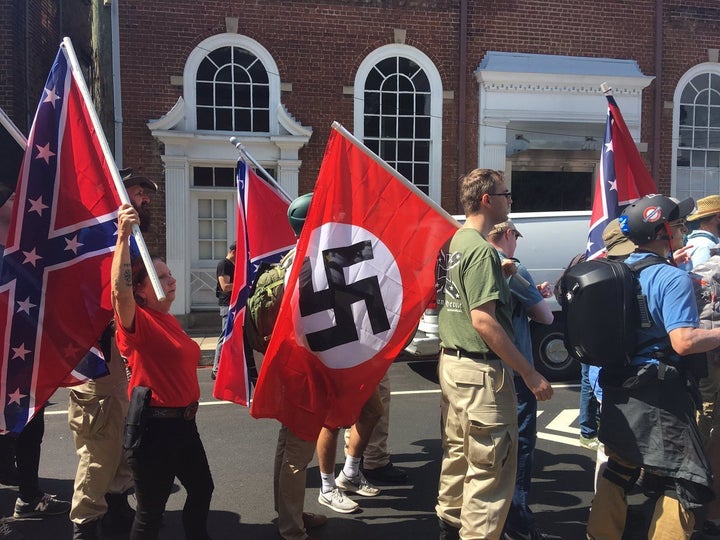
[(551, 356)]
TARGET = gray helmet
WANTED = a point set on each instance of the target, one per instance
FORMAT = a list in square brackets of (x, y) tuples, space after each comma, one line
[(643, 219), (297, 212)]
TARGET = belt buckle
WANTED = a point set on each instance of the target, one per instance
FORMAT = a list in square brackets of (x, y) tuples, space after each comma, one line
[(190, 411)]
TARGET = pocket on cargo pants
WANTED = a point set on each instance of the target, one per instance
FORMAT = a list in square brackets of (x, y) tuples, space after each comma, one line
[(488, 445)]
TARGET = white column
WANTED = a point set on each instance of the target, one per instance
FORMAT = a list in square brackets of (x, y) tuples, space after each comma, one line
[(288, 174), (177, 212), (493, 145)]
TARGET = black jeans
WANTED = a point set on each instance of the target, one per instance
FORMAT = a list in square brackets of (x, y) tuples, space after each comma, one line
[(170, 448), (25, 451)]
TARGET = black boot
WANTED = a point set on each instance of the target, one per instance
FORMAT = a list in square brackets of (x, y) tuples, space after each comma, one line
[(87, 531), (447, 531), (120, 515)]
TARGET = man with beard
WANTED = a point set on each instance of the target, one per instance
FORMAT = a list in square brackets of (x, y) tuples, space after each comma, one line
[(96, 414)]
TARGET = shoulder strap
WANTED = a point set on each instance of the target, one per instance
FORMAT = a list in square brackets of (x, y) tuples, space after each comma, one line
[(636, 268), (645, 262)]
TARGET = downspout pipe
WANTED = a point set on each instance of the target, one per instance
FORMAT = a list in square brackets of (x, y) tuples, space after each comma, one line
[(462, 93), (117, 98), (658, 104)]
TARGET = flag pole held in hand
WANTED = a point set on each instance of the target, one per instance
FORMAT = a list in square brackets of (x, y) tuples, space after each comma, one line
[(119, 186)]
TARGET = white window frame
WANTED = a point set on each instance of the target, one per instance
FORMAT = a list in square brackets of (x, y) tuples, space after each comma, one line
[(229, 40), (436, 103), (689, 75)]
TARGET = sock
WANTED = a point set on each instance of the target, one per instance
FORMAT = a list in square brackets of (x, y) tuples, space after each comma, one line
[(352, 466), (328, 482)]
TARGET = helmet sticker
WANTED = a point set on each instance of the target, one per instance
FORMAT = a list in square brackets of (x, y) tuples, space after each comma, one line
[(652, 214)]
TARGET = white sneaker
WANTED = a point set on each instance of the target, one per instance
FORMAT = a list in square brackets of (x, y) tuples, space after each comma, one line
[(337, 501), (357, 484)]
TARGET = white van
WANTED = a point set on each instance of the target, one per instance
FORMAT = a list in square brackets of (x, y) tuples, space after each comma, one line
[(550, 240)]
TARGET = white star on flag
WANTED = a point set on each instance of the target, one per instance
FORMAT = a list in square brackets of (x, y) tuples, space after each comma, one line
[(20, 351), (25, 305), (15, 397), (608, 146), (613, 185), (44, 153), (52, 97), (31, 257), (36, 206), (73, 244)]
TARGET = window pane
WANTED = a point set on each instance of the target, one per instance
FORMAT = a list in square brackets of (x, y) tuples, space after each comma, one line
[(240, 75), (422, 104), (243, 120), (388, 150), (220, 249), (713, 159), (701, 116), (243, 57), (205, 250), (700, 139), (387, 66), (390, 84), (223, 95), (202, 176), (372, 103), (688, 94), (715, 117), (220, 56), (405, 127), (405, 151), (388, 103), (205, 118), (697, 159), (714, 98), (261, 121), (686, 115), (683, 158), (686, 137), (406, 104), (224, 177), (223, 120), (374, 80), (204, 93), (219, 205), (422, 84), (714, 138), (421, 175), (422, 151), (372, 126), (388, 127), (258, 73), (204, 228), (405, 85), (406, 170), (204, 208), (422, 128), (206, 71), (261, 97), (224, 74), (220, 229), (242, 95), (373, 146)]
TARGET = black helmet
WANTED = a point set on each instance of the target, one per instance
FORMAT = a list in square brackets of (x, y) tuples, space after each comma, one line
[(297, 212), (643, 219)]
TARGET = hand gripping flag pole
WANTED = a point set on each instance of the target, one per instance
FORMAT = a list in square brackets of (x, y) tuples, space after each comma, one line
[(112, 166)]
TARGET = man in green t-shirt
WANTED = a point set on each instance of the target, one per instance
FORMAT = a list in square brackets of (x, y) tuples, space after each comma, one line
[(479, 407)]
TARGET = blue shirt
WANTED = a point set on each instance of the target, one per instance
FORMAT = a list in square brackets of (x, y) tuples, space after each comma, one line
[(523, 298), (671, 302)]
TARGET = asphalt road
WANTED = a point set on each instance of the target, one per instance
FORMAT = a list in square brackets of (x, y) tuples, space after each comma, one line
[(241, 449)]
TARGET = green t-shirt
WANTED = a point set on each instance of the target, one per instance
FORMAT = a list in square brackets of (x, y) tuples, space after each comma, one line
[(474, 277)]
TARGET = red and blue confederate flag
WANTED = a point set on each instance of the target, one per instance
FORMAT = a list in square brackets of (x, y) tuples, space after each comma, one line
[(363, 274), (622, 178), (263, 235), (55, 278)]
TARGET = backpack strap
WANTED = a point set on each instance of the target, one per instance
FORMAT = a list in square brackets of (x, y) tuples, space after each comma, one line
[(645, 317)]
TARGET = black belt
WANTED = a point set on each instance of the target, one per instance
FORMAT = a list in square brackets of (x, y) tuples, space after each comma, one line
[(186, 413), (459, 353)]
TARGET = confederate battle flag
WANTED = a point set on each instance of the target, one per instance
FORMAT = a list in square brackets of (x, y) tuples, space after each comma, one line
[(55, 279), (363, 274)]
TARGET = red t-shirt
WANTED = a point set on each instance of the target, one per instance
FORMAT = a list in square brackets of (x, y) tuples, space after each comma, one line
[(161, 356)]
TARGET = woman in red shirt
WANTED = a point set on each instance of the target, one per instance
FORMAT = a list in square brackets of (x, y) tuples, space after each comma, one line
[(162, 357)]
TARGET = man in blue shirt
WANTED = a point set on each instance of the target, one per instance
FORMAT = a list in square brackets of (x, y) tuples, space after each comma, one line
[(649, 407), (526, 300), (707, 229)]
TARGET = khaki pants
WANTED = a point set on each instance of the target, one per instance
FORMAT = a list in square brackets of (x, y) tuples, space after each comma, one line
[(291, 460), (670, 521), (96, 414), (480, 432)]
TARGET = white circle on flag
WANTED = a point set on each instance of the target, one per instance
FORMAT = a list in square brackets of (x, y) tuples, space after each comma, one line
[(382, 265)]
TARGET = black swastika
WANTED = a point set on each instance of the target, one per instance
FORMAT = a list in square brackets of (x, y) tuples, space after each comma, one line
[(340, 296)]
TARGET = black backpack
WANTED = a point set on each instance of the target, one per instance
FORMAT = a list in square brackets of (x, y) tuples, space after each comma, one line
[(604, 308)]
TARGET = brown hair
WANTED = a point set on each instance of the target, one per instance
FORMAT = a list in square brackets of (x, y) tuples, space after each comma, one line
[(474, 185)]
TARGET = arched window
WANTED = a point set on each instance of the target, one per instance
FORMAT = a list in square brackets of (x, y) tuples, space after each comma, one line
[(233, 92), (231, 83), (696, 128), (398, 113)]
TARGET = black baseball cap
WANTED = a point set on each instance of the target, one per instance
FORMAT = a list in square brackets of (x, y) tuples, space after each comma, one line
[(130, 179)]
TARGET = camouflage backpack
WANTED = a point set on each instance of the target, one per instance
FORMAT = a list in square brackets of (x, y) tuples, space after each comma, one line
[(264, 302)]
